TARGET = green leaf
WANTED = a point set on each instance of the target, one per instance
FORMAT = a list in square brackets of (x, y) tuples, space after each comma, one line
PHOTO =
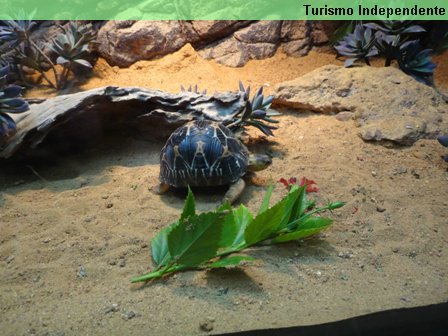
[(265, 204), (159, 246), (309, 227), (83, 63), (292, 202), (301, 204), (264, 225), (235, 224), (196, 239), (189, 207), (225, 207), (230, 261)]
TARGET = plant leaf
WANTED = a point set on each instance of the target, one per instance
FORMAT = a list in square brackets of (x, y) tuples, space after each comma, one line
[(83, 63), (234, 226), (196, 240), (159, 246), (189, 207), (61, 60), (267, 197), (293, 201), (265, 224), (230, 261), (310, 226)]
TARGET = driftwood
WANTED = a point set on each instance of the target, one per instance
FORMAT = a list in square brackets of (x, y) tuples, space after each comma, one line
[(114, 105)]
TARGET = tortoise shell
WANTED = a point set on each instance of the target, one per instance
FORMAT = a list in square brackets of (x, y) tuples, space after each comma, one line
[(202, 153)]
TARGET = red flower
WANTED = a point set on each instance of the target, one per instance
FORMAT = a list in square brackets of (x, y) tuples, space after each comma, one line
[(310, 184)]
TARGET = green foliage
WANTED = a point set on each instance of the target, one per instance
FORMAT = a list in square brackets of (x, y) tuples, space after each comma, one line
[(443, 44), (207, 240), (359, 45), (392, 40), (416, 62), (71, 47), (256, 113), (193, 89), (10, 102)]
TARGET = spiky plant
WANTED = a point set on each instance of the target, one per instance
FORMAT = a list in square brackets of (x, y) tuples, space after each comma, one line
[(256, 113), (14, 32), (193, 89), (396, 27), (416, 62), (443, 140), (10, 102), (356, 46), (72, 46)]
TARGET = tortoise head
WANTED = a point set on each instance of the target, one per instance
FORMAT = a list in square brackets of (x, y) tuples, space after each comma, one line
[(258, 162)]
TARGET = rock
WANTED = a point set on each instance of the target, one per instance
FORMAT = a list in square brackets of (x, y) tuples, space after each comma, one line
[(123, 43), (128, 315), (344, 116), (322, 31), (257, 41), (63, 116), (202, 32), (206, 326), (388, 105), (229, 42)]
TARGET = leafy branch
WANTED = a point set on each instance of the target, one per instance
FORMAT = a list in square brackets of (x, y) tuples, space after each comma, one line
[(208, 240)]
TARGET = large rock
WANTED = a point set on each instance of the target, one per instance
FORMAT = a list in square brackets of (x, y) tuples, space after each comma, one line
[(202, 32), (232, 43), (388, 105), (123, 43), (257, 41)]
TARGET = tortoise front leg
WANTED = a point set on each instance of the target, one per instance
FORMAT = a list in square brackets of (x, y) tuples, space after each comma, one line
[(234, 191)]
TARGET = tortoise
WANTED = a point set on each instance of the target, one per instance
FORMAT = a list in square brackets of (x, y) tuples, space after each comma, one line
[(207, 153)]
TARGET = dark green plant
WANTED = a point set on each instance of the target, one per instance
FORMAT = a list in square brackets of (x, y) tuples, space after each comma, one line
[(396, 27), (208, 240), (71, 47), (193, 89), (443, 140), (442, 45), (256, 113), (356, 46), (10, 102), (391, 40), (416, 62), (14, 32), (344, 29)]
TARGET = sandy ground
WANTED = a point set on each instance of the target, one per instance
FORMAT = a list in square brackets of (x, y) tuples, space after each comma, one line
[(75, 229)]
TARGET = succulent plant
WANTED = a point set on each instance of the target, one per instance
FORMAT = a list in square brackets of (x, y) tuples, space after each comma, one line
[(73, 44), (443, 140), (416, 62), (193, 89), (257, 112), (396, 27), (359, 45), (71, 47), (443, 44), (387, 45), (10, 102), (14, 32)]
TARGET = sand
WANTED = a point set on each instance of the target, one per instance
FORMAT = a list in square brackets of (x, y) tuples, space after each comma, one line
[(75, 229)]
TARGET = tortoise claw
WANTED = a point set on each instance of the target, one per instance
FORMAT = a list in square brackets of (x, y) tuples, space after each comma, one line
[(161, 189)]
